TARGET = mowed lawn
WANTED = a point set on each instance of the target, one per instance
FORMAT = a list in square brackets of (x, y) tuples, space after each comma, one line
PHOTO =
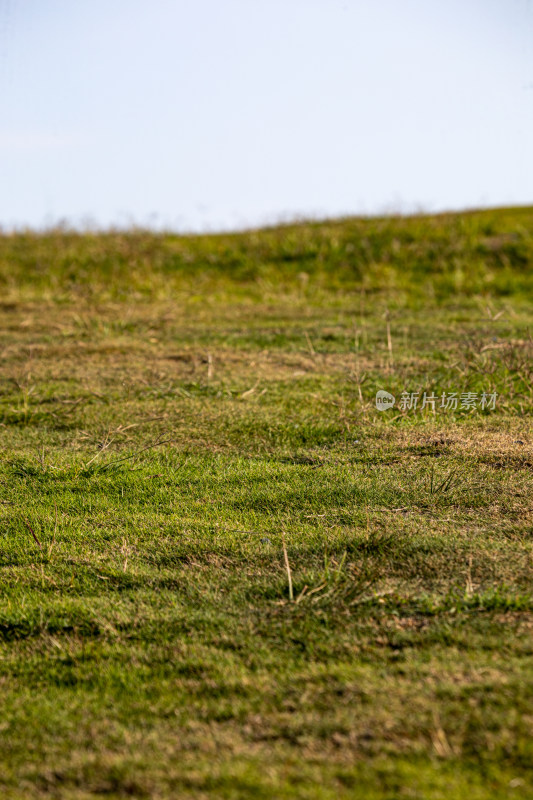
[(223, 572)]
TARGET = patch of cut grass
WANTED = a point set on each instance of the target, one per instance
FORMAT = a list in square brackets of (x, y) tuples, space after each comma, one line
[(185, 421)]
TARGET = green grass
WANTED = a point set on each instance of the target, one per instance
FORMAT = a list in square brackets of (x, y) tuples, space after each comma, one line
[(224, 573)]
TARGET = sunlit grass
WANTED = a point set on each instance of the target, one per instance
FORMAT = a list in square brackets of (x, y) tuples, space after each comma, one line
[(224, 572)]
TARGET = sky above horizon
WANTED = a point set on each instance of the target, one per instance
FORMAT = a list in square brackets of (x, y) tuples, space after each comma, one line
[(227, 114)]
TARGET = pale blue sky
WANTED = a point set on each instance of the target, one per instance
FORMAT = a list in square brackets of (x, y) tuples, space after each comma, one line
[(213, 114)]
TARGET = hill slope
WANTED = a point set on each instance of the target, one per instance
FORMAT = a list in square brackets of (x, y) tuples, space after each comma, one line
[(225, 572)]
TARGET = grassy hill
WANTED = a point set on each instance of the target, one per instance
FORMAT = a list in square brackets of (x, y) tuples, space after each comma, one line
[(224, 572)]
